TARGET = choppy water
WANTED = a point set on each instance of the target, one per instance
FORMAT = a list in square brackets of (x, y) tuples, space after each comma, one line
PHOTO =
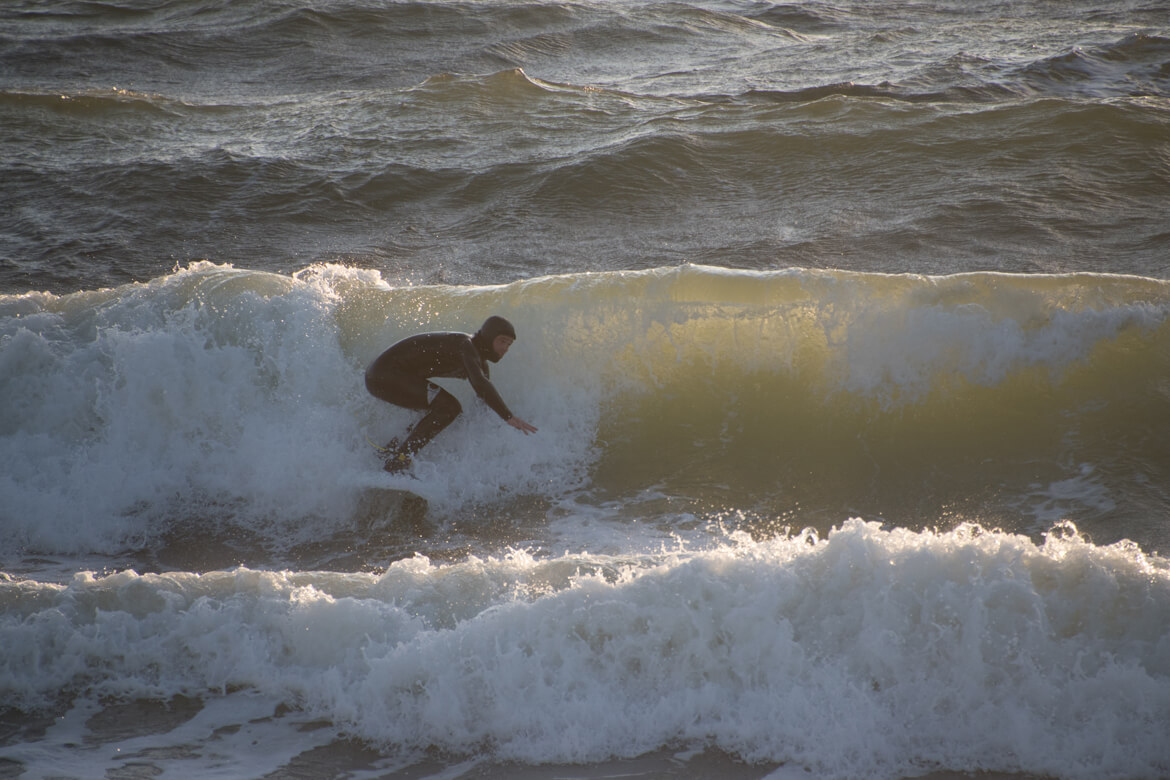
[(845, 327)]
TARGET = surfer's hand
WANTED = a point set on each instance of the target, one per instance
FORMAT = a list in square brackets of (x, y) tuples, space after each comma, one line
[(520, 425)]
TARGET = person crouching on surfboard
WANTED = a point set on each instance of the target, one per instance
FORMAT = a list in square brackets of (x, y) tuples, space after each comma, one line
[(399, 376)]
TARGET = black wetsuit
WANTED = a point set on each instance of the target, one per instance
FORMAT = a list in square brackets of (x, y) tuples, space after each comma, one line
[(399, 376)]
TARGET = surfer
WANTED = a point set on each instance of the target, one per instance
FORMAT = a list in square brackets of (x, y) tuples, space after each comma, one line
[(399, 376)]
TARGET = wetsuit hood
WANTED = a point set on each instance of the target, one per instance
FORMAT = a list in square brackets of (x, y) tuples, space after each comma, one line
[(485, 337)]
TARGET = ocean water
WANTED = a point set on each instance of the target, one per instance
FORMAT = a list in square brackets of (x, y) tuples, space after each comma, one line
[(846, 327)]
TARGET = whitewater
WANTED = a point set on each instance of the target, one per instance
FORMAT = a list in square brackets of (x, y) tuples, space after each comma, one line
[(868, 653)]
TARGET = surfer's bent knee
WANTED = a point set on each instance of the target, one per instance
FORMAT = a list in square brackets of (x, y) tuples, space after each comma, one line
[(446, 405)]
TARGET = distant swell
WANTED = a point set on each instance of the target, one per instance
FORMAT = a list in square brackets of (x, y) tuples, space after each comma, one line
[(1135, 64)]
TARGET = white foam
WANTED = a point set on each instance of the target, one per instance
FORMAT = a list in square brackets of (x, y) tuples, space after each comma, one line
[(878, 653), (896, 353), (217, 393)]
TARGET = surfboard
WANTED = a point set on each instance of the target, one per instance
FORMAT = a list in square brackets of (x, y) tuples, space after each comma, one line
[(381, 507), (387, 499)]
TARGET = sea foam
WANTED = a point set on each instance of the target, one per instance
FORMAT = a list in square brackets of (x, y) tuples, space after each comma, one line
[(870, 652)]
